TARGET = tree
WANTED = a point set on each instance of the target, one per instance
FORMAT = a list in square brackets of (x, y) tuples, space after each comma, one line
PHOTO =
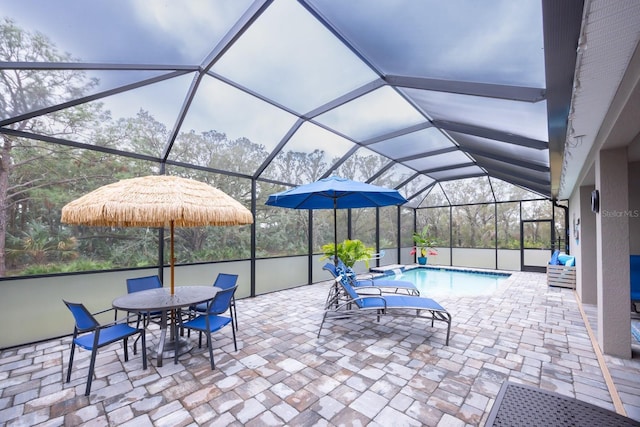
[(37, 243), (509, 225), (28, 90)]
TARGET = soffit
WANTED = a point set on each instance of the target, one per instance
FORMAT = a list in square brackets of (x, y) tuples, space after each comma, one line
[(608, 41)]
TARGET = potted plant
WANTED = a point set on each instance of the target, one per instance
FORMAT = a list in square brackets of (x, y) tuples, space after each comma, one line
[(349, 251), (424, 245)]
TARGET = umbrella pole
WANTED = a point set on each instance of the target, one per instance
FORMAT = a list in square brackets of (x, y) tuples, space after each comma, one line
[(171, 261), (335, 232)]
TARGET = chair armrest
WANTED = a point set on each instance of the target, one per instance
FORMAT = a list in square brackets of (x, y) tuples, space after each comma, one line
[(106, 310), (180, 312), (369, 290), (360, 276), (366, 279), (126, 319), (370, 296), (353, 301), (115, 317)]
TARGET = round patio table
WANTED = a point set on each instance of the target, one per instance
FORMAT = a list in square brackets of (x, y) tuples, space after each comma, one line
[(162, 301)]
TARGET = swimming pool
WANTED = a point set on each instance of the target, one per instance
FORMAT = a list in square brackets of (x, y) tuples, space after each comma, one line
[(447, 282)]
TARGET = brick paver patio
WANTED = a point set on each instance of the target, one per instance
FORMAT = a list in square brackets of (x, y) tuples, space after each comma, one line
[(396, 372)]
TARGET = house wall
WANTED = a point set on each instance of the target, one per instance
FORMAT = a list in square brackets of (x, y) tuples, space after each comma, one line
[(586, 251), (634, 208), (612, 248), (582, 243)]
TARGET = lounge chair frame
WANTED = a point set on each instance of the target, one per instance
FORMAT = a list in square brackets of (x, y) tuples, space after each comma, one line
[(343, 302)]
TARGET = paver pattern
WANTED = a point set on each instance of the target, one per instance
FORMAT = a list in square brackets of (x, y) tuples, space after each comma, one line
[(393, 373)]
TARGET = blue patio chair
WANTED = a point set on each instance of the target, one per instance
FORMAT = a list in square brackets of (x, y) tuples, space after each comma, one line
[(388, 286), (223, 281), (89, 334), (138, 284), (634, 277), (211, 321), (356, 304)]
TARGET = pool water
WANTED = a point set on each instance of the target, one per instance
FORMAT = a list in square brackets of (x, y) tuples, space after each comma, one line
[(446, 282)]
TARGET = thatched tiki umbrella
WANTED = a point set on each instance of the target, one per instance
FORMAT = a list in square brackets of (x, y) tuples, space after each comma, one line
[(156, 201)]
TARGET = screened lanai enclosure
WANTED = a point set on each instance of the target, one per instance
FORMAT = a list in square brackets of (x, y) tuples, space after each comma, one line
[(462, 107)]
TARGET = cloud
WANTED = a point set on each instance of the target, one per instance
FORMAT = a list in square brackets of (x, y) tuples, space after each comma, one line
[(498, 41), (189, 25), (379, 112), (290, 57), (218, 106)]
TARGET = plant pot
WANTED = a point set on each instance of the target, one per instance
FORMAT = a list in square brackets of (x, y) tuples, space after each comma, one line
[(422, 260)]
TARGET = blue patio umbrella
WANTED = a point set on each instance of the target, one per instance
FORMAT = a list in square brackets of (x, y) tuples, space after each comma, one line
[(336, 193)]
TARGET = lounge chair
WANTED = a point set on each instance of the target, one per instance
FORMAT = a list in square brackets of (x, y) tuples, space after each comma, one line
[(355, 304), (387, 286)]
